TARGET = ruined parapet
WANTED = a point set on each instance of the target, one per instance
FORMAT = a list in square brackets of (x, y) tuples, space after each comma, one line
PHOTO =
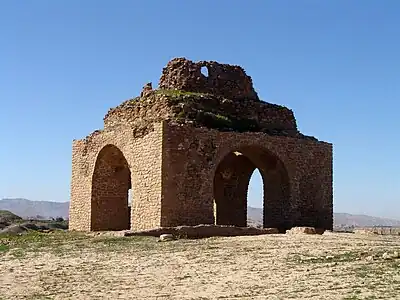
[(224, 100), (224, 80), (147, 89)]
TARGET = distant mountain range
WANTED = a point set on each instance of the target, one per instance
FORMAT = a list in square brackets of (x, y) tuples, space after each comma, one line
[(33, 209), (254, 216), (46, 209)]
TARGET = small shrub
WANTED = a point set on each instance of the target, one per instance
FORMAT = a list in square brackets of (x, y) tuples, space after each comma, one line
[(4, 248)]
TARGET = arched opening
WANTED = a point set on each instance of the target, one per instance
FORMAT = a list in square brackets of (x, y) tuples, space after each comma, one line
[(255, 200), (130, 200), (111, 183), (231, 187)]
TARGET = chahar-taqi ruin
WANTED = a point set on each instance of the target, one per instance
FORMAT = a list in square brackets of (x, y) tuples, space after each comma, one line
[(187, 150)]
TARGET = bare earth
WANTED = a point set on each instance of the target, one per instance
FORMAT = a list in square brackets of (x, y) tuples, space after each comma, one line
[(77, 266)]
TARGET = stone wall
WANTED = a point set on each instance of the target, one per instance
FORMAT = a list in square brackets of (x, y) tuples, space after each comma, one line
[(92, 199), (178, 170), (228, 81), (297, 175), (203, 111), (140, 113)]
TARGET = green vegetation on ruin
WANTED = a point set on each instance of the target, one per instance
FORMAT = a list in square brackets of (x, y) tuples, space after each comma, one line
[(180, 93), (207, 110), (210, 111)]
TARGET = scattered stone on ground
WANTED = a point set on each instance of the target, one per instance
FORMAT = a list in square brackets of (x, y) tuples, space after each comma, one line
[(166, 237), (301, 230), (328, 232), (203, 231)]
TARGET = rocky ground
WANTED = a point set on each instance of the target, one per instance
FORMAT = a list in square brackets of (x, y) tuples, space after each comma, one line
[(67, 265), (13, 224)]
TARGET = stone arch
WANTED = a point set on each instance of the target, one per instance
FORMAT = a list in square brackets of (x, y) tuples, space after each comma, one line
[(111, 181), (231, 181)]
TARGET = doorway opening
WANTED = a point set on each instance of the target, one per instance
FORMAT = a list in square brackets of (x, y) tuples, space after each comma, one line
[(130, 200), (255, 200), (111, 183), (251, 176)]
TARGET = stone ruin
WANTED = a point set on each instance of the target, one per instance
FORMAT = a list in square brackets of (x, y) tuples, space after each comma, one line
[(187, 151)]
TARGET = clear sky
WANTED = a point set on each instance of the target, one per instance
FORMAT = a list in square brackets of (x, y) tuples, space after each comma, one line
[(64, 63)]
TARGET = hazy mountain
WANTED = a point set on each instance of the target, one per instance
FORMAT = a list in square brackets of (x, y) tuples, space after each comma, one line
[(29, 209), (47, 209), (363, 220), (339, 219)]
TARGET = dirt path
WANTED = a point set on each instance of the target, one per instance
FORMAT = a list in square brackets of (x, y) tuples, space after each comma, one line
[(337, 266)]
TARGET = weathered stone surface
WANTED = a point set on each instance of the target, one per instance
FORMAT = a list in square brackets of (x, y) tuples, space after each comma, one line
[(98, 203), (166, 237), (204, 231), (328, 232), (202, 108), (147, 89), (184, 151), (222, 80), (301, 230)]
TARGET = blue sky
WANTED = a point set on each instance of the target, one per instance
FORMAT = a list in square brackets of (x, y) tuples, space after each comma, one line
[(63, 64)]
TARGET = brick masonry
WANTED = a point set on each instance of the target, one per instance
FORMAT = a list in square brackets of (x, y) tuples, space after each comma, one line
[(200, 165), (189, 173), (127, 161)]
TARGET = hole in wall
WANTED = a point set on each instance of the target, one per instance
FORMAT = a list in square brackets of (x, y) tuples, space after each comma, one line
[(130, 197), (255, 200), (130, 204), (204, 71)]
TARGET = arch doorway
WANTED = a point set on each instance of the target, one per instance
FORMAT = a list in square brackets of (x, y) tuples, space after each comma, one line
[(231, 182), (255, 197), (111, 183)]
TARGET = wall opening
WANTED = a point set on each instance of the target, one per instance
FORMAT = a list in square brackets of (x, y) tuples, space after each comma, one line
[(204, 71), (255, 200), (269, 190), (130, 200), (111, 183)]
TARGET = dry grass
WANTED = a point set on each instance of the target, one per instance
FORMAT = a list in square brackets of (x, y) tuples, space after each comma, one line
[(76, 266)]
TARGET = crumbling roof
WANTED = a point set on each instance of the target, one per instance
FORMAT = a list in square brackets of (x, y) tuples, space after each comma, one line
[(224, 100)]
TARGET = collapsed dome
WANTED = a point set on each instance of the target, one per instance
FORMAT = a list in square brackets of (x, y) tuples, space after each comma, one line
[(223, 99), (224, 80)]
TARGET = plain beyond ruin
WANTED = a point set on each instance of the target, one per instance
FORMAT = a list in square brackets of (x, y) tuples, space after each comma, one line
[(187, 151)]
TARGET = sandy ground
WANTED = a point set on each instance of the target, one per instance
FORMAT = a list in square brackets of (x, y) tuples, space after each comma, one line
[(334, 266)]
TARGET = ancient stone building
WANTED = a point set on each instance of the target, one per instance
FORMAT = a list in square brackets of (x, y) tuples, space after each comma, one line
[(187, 151)]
